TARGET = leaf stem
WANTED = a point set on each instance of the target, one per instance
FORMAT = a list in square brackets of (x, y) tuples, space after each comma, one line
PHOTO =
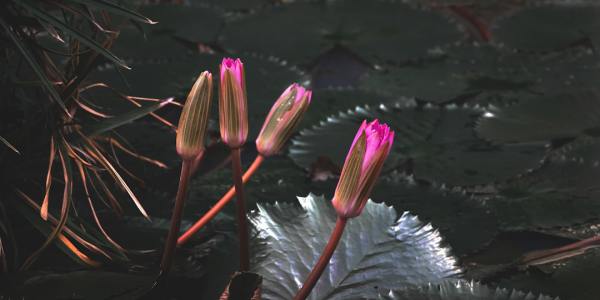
[(236, 165), (208, 216), (171, 242), (318, 269)]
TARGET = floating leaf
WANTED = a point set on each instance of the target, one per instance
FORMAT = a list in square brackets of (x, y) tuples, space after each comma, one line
[(452, 213), (549, 27), (91, 285), (377, 31), (391, 253), (137, 48), (543, 119), (436, 144), (195, 24), (565, 192), (459, 290), (573, 279)]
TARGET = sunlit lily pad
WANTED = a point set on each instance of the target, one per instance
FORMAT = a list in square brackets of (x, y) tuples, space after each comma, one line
[(436, 144), (460, 290), (391, 253), (377, 31)]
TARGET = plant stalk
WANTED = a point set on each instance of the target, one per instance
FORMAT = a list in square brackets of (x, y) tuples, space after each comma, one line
[(236, 165), (171, 242), (318, 269), (213, 211)]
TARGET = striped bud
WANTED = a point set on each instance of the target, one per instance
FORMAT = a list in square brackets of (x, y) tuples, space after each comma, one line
[(363, 164), (233, 112), (194, 118), (283, 118)]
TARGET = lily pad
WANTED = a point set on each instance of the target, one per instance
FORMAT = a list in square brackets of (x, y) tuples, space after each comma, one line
[(452, 213), (460, 290), (391, 253), (562, 193), (91, 285), (549, 27), (543, 119), (195, 24), (348, 22), (436, 144)]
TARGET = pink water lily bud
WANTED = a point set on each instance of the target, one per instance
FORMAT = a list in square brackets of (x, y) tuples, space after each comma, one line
[(363, 164), (285, 115), (194, 118), (233, 112)]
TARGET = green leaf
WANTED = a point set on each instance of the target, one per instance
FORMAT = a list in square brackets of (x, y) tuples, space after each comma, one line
[(37, 69), (435, 143), (376, 252), (459, 290), (116, 9), (379, 31), (72, 31), (128, 117), (543, 119)]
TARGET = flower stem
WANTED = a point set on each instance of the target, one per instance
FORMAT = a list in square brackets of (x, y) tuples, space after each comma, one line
[(220, 204), (318, 269), (165, 264), (560, 253), (236, 165)]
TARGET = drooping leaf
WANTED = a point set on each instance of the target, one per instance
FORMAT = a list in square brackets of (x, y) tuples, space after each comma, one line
[(114, 122), (543, 119), (82, 37), (391, 253), (376, 32), (117, 9), (459, 290), (37, 69), (436, 144), (9, 145)]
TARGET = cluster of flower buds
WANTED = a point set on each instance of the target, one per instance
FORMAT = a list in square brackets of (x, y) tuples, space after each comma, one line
[(284, 117)]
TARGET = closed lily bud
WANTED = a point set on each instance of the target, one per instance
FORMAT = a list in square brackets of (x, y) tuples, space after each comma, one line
[(283, 118), (233, 112), (363, 164), (194, 118)]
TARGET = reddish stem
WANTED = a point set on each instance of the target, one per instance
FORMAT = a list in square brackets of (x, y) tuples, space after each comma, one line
[(236, 165), (318, 269), (165, 264), (481, 27), (220, 204), (555, 254)]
